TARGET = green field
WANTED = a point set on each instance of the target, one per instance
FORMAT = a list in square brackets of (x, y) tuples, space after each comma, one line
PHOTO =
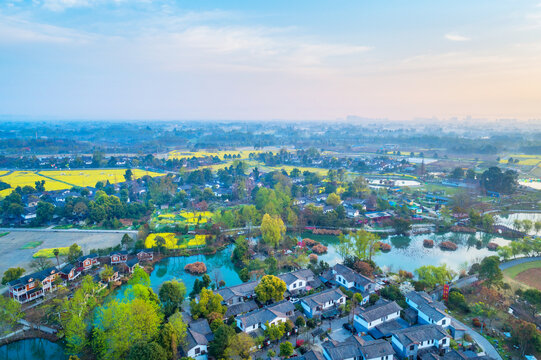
[(512, 272), (31, 245)]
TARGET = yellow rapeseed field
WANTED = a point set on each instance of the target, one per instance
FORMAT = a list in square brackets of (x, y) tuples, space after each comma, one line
[(24, 178), (49, 253), (244, 154), (172, 242), (66, 179)]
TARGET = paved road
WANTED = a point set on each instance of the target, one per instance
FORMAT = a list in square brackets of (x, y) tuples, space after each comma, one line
[(487, 347), (522, 260), (95, 231)]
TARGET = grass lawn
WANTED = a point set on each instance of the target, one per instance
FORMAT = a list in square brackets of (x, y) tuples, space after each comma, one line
[(512, 272), (31, 245)]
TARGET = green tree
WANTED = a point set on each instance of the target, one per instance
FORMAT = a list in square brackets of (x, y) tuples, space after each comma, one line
[(300, 322), (537, 226), (126, 240), (270, 288), (484, 311), (106, 273), (10, 314), (139, 276), (222, 337), (44, 212), (172, 294), (122, 324), (244, 274), (286, 349), (434, 275), (147, 351), (275, 331), (272, 230), (128, 174), (208, 303), (56, 252), (490, 270), (12, 274), (333, 200), (74, 252), (241, 347)]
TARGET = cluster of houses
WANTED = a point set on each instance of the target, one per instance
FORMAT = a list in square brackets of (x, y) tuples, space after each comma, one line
[(36, 285), (381, 331)]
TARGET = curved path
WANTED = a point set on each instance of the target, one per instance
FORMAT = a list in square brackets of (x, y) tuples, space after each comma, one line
[(522, 260), (488, 348)]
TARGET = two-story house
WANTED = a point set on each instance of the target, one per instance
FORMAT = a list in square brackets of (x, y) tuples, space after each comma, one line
[(372, 318), (319, 303), (87, 261), (428, 310), (341, 275), (33, 286), (407, 342), (300, 281), (119, 257), (70, 272), (270, 315), (145, 255)]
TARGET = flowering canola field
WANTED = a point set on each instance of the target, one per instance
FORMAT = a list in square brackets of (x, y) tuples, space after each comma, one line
[(66, 179), (172, 242)]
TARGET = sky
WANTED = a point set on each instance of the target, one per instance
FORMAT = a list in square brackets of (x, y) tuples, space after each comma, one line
[(263, 60)]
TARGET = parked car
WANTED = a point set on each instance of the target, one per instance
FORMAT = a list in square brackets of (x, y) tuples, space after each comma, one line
[(348, 327), (293, 300)]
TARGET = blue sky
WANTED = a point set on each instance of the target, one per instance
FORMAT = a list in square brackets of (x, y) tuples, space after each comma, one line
[(257, 60)]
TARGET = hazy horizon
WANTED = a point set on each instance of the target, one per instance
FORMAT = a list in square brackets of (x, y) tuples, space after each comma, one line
[(278, 61)]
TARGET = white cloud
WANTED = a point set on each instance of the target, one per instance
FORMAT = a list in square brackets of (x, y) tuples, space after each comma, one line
[(16, 30), (456, 37)]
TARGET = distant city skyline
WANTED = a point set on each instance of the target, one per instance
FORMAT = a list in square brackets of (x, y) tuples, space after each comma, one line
[(301, 60)]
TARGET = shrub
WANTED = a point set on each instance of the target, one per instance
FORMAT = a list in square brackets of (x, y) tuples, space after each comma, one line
[(428, 243), (196, 268), (319, 249), (448, 245)]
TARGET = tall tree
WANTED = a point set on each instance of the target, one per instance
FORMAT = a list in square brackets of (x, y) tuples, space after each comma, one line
[(272, 230), (270, 288), (172, 294)]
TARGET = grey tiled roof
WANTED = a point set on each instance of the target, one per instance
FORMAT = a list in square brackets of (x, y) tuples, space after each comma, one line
[(199, 333), (378, 311), (40, 275), (433, 309), (352, 276), (377, 349), (419, 333), (323, 297), (240, 308), (245, 289), (267, 313), (350, 348)]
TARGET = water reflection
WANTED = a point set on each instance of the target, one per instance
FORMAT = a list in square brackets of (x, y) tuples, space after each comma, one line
[(32, 349)]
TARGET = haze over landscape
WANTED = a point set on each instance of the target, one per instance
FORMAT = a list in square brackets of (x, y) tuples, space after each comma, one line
[(270, 180), (235, 60)]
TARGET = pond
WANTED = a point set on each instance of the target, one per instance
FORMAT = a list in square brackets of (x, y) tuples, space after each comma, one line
[(32, 349), (408, 253), (219, 267)]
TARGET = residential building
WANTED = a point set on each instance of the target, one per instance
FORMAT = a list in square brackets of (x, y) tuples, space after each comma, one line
[(145, 255), (408, 342), (119, 257), (300, 281), (70, 272), (341, 275), (428, 310), (357, 348), (198, 337), (367, 319), (33, 286), (238, 293), (87, 261), (269, 315), (320, 303)]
